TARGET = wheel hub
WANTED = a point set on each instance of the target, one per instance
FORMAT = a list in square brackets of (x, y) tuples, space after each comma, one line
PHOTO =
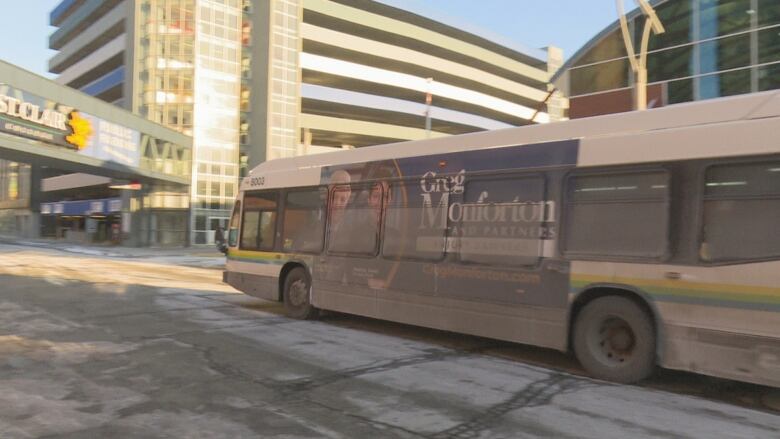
[(298, 293), (616, 340), (620, 339)]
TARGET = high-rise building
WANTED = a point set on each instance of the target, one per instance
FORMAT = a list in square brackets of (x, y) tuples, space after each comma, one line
[(323, 74), (93, 40), (176, 62)]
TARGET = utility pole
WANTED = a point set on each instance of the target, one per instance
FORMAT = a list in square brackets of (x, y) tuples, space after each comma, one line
[(639, 63)]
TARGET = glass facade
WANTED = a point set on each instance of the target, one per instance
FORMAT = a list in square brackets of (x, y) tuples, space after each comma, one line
[(14, 183), (246, 77), (284, 81), (14, 195), (190, 74), (711, 48), (217, 98), (167, 29)]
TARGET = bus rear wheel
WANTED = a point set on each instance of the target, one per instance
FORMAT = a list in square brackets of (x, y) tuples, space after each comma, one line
[(297, 297), (614, 340)]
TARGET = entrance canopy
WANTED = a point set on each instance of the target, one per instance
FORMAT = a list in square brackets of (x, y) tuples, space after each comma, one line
[(48, 124)]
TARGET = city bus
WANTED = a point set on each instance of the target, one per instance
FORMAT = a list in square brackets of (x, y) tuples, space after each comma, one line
[(632, 240)]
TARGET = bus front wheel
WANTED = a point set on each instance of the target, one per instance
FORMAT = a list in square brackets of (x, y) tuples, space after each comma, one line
[(614, 340), (297, 297)]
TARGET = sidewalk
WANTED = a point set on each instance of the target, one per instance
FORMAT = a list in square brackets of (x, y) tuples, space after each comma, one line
[(203, 257)]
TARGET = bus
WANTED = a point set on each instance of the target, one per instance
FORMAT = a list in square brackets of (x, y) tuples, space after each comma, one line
[(632, 240)]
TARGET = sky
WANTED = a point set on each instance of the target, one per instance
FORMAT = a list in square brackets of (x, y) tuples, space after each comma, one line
[(25, 34), (567, 24)]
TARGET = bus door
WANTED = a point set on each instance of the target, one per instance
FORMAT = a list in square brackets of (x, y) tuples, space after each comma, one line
[(231, 236)]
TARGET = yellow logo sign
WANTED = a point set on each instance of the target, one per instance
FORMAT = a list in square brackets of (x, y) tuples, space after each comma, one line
[(82, 130)]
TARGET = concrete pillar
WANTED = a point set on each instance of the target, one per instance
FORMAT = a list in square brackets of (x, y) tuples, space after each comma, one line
[(129, 238), (34, 224), (33, 221), (152, 228)]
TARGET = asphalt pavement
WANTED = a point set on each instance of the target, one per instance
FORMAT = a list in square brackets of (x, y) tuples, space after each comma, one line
[(97, 346), (195, 256)]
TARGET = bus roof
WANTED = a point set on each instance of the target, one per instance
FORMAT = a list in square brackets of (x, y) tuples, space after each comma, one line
[(714, 111)]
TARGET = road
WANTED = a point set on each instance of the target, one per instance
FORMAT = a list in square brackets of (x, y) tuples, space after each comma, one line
[(94, 347)]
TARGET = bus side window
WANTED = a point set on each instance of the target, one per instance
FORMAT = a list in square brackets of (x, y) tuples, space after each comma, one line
[(258, 227), (503, 221), (741, 209), (415, 223), (233, 226), (353, 224), (617, 214), (304, 220)]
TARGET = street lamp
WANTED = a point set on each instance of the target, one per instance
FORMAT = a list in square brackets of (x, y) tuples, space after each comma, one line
[(428, 101), (639, 66)]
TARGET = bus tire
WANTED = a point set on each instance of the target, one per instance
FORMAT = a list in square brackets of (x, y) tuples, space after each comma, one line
[(614, 340), (296, 295)]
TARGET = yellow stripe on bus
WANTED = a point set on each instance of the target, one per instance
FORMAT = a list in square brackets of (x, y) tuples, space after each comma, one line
[(258, 256), (716, 292), (678, 284)]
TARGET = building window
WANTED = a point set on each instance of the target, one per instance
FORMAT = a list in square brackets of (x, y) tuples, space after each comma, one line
[(13, 181), (769, 77), (768, 12), (599, 77), (724, 84)]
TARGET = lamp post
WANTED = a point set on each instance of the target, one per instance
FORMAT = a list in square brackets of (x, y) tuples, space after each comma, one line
[(428, 101), (639, 63)]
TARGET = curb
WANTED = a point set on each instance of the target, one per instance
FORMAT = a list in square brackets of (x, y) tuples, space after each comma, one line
[(112, 251)]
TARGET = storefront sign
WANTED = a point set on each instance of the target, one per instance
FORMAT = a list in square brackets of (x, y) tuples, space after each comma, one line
[(104, 206), (27, 115), (32, 113), (114, 205), (113, 142), (96, 206)]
